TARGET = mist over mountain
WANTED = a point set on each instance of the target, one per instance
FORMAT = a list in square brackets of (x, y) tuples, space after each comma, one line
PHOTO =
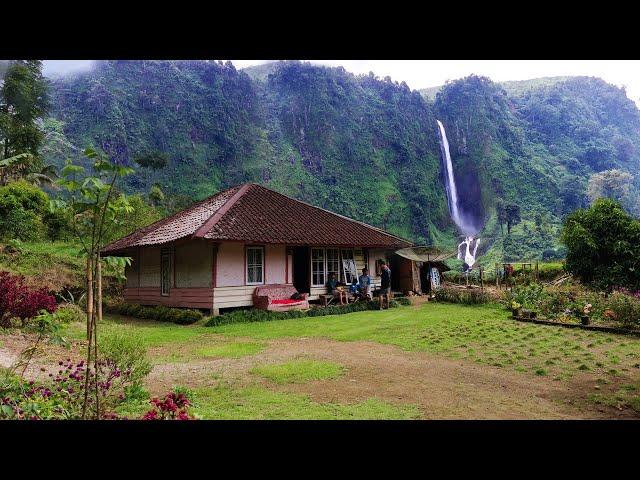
[(358, 145)]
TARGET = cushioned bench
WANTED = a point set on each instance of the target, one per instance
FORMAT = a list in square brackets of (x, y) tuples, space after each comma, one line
[(278, 298)]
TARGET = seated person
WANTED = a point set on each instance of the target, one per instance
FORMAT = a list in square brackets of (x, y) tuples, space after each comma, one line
[(364, 283), (335, 290)]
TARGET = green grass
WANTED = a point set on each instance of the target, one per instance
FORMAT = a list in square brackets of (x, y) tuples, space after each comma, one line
[(299, 371), (37, 256), (483, 334), (255, 402), (258, 403), (154, 333)]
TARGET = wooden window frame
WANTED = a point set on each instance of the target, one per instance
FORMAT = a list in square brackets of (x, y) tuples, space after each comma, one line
[(165, 254), (246, 264), (324, 266), (337, 260), (353, 257)]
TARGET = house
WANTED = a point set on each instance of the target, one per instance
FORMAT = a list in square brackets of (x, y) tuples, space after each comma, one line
[(214, 254)]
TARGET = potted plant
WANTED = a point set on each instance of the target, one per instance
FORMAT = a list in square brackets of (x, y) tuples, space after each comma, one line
[(584, 318), (515, 308)]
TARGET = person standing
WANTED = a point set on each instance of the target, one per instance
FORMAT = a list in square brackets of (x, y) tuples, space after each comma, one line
[(385, 284)]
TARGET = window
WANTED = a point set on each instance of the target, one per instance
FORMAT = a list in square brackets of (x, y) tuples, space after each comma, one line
[(255, 265), (165, 272), (349, 263), (317, 267), (333, 262)]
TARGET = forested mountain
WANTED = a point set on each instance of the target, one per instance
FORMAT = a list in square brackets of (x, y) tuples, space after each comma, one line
[(359, 145)]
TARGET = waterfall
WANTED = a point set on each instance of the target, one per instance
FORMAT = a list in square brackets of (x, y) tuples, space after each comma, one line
[(452, 193), (469, 247), (465, 253)]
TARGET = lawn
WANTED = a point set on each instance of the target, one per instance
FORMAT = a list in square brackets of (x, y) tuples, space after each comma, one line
[(245, 379)]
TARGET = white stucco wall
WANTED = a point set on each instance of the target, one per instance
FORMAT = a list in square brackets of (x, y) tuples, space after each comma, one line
[(193, 263)]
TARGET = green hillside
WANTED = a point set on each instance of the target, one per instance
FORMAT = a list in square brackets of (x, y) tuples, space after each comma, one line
[(365, 147)]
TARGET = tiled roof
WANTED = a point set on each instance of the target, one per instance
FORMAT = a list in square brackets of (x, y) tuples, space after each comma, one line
[(176, 226), (252, 213)]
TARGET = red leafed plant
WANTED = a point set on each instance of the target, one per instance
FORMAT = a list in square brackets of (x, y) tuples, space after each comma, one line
[(173, 407), (19, 301)]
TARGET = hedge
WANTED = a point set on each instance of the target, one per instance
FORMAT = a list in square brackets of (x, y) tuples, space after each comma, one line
[(160, 313), (255, 315)]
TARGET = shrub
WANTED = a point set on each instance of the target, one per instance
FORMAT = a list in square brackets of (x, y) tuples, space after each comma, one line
[(625, 309), (601, 245), (528, 296), (464, 296), (21, 209), (174, 406), (403, 301), (256, 315), (160, 313), (19, 301), (569, 299), (61, 395), (69, 313), (128, 351)]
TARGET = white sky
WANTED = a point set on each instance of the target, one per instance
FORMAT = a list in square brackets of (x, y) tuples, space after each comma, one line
[(430, 73)]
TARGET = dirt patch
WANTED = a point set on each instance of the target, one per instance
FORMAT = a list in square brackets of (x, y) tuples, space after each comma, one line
[(443, 388), (47, 357)]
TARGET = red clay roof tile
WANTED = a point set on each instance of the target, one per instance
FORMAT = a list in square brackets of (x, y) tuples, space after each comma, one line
[(256, 214)]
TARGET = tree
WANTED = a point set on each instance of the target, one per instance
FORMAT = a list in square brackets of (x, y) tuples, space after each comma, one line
[(23, 101), (156, 195), (512, 213), (22, 208), (153, 160), (537, 218), (614, 184), (95, 207), (602, 244)]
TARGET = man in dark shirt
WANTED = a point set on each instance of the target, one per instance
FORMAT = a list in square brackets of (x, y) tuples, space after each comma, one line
[(385, 284)]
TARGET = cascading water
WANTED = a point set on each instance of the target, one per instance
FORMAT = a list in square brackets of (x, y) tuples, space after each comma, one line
[(469, 247)]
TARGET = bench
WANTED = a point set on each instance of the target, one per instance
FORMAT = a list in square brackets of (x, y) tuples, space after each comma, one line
[(278, 298)]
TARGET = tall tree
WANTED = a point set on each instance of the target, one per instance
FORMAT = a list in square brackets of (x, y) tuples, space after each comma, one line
[(23, 101), (512, 212)]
